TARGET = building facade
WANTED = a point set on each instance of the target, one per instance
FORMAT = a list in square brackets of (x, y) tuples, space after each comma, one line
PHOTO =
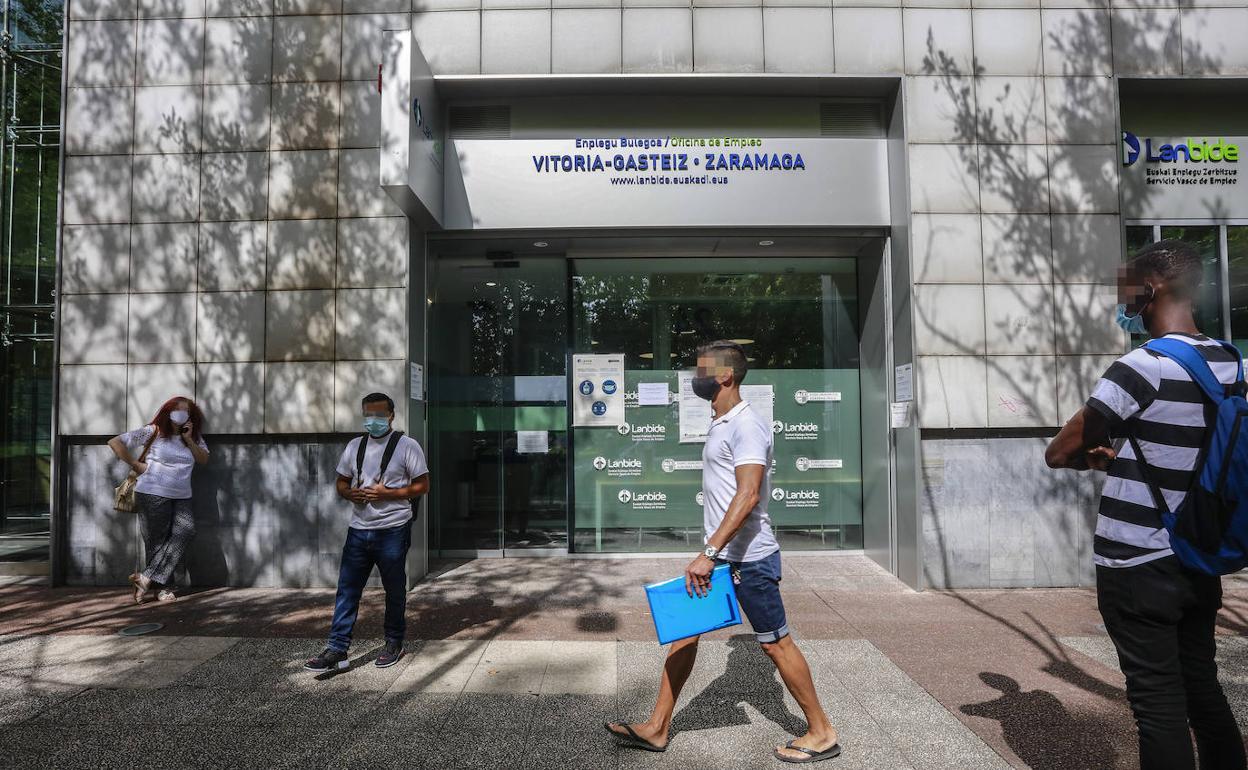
[(520, 217)]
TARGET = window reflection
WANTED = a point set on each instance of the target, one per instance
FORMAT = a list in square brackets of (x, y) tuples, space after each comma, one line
[(1237, 257)]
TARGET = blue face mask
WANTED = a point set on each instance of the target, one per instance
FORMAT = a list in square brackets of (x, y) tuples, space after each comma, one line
[(376, 426), (1131, 324), (1134, 324)]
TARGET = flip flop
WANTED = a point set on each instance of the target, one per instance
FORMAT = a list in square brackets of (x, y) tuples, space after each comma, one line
[(832, 752), (632, 740)]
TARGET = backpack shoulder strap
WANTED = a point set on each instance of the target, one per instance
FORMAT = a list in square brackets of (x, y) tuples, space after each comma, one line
[(1194, 363), (391, 445), (359, 458), (1230, 348), (1146, 472)]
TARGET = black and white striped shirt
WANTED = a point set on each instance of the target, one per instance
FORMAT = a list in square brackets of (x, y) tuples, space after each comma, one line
[(1151, 397)]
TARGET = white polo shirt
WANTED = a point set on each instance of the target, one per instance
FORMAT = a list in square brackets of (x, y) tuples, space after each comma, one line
[(739, 437)]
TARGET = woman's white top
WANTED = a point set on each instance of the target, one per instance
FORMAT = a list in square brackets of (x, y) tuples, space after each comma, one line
[(169, 463)]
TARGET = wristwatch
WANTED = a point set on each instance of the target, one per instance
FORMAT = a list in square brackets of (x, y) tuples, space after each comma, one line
[(710, 552)]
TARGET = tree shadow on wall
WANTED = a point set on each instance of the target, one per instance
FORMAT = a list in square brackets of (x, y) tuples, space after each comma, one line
[(1039, 158)]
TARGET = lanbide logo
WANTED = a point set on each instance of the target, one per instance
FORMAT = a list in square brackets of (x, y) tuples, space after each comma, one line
[(1130, 148), (628, 466), (1193, 151), (655, 431)]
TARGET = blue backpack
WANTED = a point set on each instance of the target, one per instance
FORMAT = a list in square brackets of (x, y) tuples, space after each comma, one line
[(1209, 531)]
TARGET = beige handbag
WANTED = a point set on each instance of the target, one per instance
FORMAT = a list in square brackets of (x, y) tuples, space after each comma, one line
[(123, 495)]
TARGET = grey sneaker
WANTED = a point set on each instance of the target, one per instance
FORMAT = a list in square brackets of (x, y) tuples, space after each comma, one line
[(390, 655), (328, 660)]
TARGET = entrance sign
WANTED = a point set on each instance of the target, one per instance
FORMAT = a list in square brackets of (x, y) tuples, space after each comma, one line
[(411, 154), (666, 180), (598, 381), (1190, 177)]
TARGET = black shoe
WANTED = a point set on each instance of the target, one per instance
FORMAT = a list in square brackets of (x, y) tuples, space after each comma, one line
[(328, 660), (390, 655)]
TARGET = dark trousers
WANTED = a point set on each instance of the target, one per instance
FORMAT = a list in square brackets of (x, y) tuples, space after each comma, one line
[(387, 550), (1161, 618)]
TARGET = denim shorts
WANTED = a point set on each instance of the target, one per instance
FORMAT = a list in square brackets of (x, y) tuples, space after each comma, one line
[(758, 593)]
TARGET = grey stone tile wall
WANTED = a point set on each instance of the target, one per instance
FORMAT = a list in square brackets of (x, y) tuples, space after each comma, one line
[(994, 516), (266, 515), (225, 238)]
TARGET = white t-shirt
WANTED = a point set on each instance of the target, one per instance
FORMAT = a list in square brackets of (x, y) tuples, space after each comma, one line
[(739, 437), (169, 463), (406, 465)]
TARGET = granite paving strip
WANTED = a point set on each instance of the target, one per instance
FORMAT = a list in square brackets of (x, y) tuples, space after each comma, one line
[(929, 679), (1232, 666), (581, 668), (439, 667), (736, 709), (55, 662), (996, 664), (511, 666)]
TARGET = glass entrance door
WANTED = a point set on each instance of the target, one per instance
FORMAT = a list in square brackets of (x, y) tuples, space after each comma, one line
[(638, 487), (497, 404)]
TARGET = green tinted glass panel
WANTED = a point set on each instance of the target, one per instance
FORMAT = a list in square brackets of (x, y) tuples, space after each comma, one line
[(637, 488), (1209, 301), (1237, 257)]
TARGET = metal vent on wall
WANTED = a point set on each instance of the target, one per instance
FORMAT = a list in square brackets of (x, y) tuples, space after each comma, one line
[(851, 119), (487, 121)]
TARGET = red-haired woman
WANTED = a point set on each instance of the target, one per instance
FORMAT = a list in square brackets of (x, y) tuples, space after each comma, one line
[(163, 491)]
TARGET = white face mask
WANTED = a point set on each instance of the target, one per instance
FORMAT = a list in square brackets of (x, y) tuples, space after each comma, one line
[(179, 416)]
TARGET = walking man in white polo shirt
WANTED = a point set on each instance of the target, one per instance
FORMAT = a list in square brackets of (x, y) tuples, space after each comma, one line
[(736, 461)]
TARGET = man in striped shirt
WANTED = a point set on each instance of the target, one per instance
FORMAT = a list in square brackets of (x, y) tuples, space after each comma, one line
[(1159, 614)]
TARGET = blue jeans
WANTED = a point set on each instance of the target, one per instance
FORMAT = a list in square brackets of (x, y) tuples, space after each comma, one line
[(387, 549)]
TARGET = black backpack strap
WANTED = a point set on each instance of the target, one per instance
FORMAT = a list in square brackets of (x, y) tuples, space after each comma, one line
[(391, 445), (1146, 472), (359, 460)]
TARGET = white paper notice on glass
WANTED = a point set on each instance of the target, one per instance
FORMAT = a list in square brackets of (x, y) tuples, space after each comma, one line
[(417, 383), (695, 412), (598, 390), (903, 382), (899, 411), (532, 442), (652, 394), (762, 400)]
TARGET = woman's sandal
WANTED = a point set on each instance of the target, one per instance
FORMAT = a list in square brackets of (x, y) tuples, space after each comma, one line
[(166, 595), (140, 593)]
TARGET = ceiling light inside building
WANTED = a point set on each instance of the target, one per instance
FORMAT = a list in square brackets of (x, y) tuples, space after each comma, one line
[(540, 244), (766, 243)]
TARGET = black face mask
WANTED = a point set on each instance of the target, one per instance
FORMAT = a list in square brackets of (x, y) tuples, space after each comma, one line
[(706, 387)]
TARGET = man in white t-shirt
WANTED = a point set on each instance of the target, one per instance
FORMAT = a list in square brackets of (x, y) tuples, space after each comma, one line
[(736, 461), (380, 473)]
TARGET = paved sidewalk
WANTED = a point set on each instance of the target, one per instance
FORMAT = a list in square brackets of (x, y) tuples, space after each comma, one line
[(519, 661)]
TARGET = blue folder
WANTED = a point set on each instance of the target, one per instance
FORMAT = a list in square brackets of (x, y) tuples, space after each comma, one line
[(677, 615)]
